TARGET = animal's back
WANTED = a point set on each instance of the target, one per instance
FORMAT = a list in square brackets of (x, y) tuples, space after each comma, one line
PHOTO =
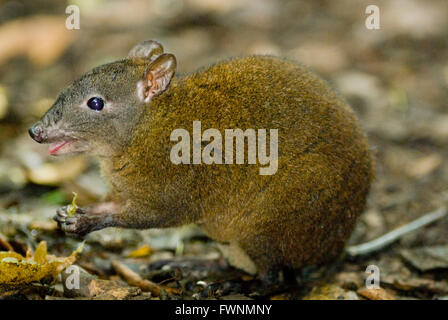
[(301, 215)]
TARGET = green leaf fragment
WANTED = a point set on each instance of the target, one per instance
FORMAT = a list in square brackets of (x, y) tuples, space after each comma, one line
[(72, 208)]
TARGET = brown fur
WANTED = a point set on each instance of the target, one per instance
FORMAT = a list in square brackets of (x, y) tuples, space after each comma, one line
[(302, 215)]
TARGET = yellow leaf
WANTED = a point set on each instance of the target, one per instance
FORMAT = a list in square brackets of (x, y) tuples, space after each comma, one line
[(141, 252), (72, 209), (41, 253), (16, 270)]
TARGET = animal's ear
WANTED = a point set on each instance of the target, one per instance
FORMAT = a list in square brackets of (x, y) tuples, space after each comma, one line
[(148, 49), (157, 77)]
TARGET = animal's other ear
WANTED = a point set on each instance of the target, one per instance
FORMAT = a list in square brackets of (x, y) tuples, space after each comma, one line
[(157, 77), (148, 49)]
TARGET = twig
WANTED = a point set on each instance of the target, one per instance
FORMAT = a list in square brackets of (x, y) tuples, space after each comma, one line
[(5, 244), (390, 237), (134, 279)]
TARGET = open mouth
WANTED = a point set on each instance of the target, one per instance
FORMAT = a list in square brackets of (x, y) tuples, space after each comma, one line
[(58, 147)]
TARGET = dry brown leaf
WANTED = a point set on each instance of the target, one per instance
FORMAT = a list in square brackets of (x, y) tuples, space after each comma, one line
[(375, 294), (427, 258), (425, 166), (330, 292), (419, 284), (16, 270), (43, 225), (55, 173), (111, 290), (279, 297), (42, 38)]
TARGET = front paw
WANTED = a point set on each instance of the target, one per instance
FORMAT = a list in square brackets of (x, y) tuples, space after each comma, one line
[(77, 225)]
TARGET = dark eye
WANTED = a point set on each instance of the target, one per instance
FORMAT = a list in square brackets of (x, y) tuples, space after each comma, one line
[(96, 103)]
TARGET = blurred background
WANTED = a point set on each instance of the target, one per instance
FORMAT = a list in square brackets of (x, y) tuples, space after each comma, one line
[(395, 78)]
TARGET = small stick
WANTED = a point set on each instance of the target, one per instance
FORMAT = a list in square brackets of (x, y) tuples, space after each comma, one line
[(134, 279), (394, 235), (5, 244)]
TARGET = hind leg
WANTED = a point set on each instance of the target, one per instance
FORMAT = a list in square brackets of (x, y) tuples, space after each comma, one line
[(266, 258), (290, 276), (237, 257)]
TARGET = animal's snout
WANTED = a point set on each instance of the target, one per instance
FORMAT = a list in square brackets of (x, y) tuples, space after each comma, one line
[(36, 132)]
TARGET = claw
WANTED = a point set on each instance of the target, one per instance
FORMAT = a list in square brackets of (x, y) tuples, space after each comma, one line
[(62, 211)]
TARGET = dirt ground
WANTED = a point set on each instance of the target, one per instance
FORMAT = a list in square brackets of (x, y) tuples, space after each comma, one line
[(395, 78)]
